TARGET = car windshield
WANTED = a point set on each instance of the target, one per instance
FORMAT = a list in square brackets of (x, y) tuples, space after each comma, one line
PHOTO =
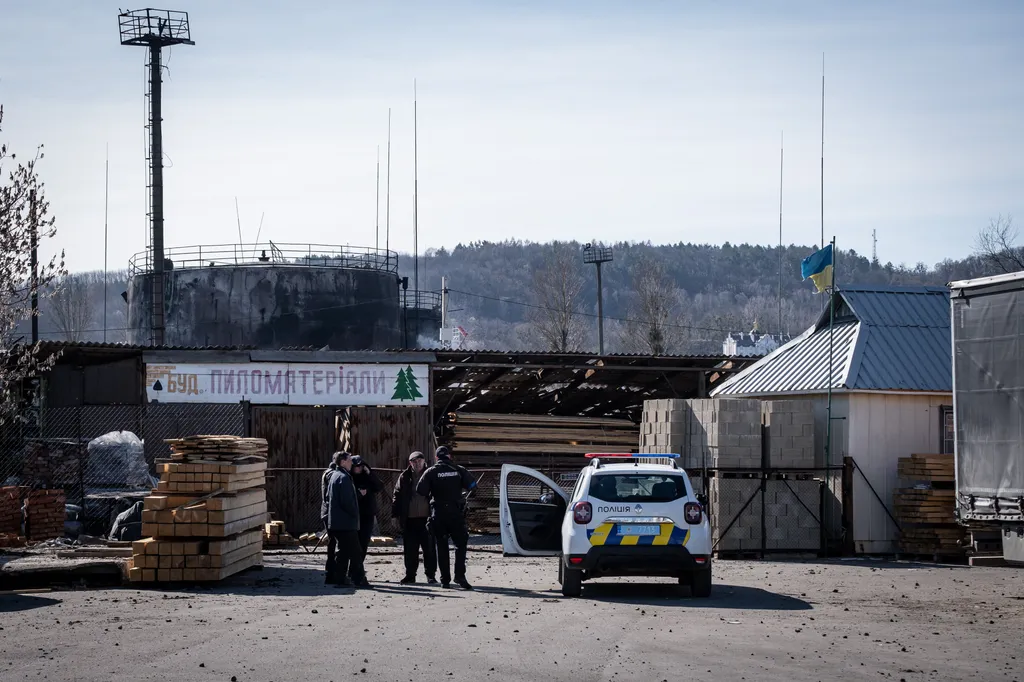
[(637, 487)]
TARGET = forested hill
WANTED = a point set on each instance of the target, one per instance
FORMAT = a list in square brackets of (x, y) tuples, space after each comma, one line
[(501, 293)]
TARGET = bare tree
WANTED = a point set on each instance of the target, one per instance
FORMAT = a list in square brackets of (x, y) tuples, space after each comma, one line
[(557, 287), (24, 222), (73, 307), (996, 246), (656, 324)]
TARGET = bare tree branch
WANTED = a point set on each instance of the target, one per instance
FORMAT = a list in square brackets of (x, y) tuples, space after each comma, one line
[(656, 325), (73, 308), (24, 221), (996, 246), (557, 287)]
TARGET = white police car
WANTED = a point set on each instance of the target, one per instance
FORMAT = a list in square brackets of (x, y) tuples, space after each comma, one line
[(628, 515)]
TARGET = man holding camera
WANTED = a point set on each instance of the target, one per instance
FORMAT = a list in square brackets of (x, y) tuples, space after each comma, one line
[(340, 513), (411, 510), (367, 486), (443, 483)]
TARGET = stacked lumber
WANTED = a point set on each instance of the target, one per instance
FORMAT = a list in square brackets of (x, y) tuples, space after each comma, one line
[(937, 468), (927, 511), (44, 514), (522, 437), (218, 448), (274, 535), (205, 519)]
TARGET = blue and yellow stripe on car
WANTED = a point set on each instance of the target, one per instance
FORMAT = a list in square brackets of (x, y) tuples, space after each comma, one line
[(608, 534)]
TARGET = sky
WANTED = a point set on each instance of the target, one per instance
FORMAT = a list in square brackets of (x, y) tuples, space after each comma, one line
[(654, 121)]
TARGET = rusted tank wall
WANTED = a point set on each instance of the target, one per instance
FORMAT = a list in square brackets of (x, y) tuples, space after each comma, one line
[(274, 307)]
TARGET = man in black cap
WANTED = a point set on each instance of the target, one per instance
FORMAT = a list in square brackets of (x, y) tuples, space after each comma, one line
[(367, 486), (443, 483), (411, 510)]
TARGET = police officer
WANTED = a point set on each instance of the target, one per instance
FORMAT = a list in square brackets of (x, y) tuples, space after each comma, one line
[(443, 484)]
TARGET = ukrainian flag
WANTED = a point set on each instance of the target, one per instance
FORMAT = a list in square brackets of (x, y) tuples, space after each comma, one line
[(818, 267)]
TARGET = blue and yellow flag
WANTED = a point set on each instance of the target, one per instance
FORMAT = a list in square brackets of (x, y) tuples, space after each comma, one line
[(818, 267)]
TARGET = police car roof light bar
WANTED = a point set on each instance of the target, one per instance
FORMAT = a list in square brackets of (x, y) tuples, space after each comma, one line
[(645, 455)]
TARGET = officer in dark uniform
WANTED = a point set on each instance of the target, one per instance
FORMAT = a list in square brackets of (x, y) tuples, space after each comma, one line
[(443, 484)]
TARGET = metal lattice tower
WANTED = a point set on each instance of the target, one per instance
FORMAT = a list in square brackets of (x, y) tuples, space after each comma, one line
[(155, 29)]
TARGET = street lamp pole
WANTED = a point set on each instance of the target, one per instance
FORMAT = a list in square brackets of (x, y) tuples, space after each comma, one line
[(598, 255)]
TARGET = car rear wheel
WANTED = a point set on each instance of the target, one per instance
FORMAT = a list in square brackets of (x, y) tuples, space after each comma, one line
[(700, 583), (572, 582), (561, 570)]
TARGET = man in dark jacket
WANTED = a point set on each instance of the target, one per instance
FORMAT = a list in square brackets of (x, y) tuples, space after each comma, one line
[(443, 483), (367, 486), (343, 525), (411, 510), (332, 544)]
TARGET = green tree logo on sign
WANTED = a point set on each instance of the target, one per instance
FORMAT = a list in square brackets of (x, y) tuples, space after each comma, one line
[(406, 387)]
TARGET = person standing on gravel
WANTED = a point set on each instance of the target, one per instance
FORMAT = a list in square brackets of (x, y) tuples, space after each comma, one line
[(443, 483), (367, 486), (410, 510), (343, 525)]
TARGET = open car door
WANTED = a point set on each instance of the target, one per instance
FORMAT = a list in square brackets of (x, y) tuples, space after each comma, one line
[(532, 509)]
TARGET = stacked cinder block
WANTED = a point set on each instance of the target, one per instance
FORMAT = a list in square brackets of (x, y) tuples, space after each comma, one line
[(705, 432), (788, 523), (790, 431), (735, 528)]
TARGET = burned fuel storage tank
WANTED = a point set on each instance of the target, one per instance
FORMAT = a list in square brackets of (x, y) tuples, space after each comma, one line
[(271, 296)]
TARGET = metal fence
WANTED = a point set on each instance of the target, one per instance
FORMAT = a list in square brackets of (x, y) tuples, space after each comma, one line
[(102, 457), (753, 512)]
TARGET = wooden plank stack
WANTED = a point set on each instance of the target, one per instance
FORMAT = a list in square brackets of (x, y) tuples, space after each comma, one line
[(205, 520), (492, 439), (927, 511), (275, 535)]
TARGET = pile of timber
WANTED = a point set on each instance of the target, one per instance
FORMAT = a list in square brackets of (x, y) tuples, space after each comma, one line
[(275, 535), (205, 520), (523, 438), (927, 510)]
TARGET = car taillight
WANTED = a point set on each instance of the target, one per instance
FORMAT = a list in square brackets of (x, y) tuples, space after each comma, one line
[(582, 512), (693, 513)]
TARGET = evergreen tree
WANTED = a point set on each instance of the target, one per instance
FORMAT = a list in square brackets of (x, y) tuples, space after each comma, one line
[(402, 389), (410, 380)]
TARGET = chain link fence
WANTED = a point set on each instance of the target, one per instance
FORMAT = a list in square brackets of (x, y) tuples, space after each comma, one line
[(101, 458)]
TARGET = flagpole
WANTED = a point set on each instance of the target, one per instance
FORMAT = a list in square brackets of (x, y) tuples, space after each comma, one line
[(831, 321)]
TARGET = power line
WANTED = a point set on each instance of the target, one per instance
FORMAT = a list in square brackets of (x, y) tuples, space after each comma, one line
[(584, 314)]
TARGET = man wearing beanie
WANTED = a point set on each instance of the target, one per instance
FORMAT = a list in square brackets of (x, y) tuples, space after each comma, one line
[(443, 483), (411, 510)]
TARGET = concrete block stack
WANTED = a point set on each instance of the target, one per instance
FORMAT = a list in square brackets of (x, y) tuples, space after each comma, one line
[(205, 520), (788, 523), (705, 432), (790, 430), (44, 514), (733, 528)]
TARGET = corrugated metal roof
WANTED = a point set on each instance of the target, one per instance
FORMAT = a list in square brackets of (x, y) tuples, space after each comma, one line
[(897, 340)]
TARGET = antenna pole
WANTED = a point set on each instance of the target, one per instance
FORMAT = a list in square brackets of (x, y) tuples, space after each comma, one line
[(415, 194), (387, 200), (782, 145), (822, 242), (106, 206), (376, 220)]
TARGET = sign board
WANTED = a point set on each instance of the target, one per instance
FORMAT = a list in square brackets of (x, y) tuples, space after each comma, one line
[(268, 383)]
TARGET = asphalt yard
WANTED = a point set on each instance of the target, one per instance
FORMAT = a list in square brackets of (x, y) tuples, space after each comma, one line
[(850, 620)]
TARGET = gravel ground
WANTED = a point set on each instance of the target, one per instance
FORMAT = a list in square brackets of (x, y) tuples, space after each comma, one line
[(852, 620)]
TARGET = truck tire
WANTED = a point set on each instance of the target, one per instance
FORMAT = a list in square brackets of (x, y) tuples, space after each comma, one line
[(572, 582), (700, 583)]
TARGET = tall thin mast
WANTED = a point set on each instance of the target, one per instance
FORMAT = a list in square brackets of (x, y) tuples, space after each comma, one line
[(822, 242), (415, 194), (106, 206), (782, 145), (376, 219), (387, 200)]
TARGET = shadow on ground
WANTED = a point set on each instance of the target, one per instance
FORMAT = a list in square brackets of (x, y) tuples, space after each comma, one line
[(24, 602), (736, 597)]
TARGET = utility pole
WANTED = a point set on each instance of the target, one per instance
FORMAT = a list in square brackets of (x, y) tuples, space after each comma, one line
[(598, 255)]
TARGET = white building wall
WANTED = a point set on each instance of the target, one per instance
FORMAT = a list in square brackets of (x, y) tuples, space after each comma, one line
[(881, 429)]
